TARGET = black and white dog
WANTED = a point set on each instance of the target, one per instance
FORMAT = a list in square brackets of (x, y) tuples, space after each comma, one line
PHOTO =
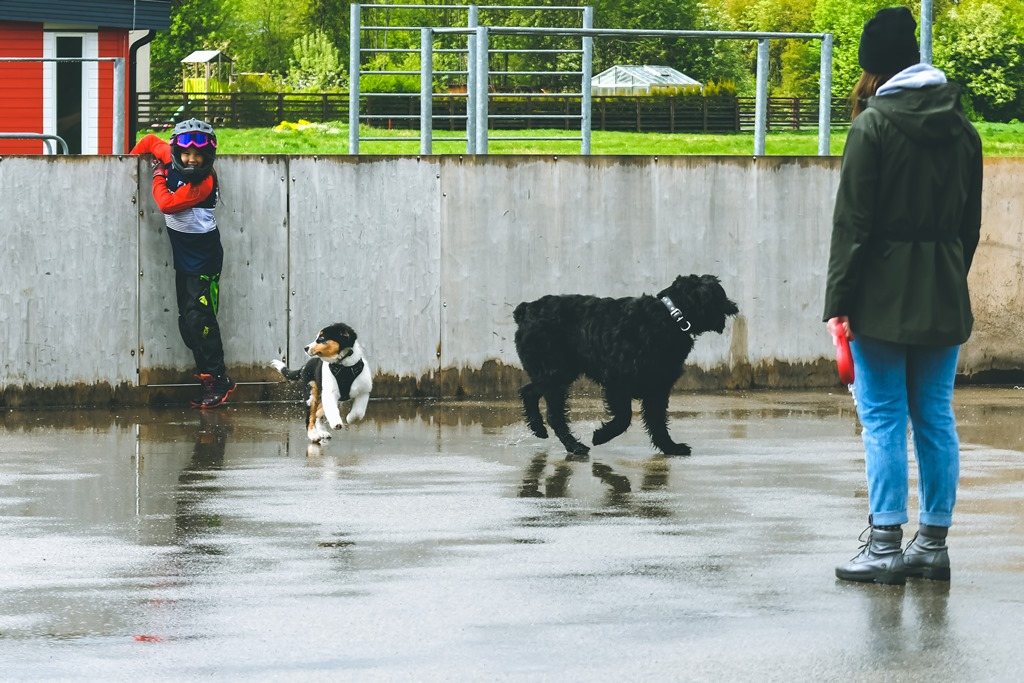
[(336, 372), (633, 347)]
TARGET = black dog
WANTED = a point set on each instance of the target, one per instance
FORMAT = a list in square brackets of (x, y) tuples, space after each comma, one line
[(633, 347)]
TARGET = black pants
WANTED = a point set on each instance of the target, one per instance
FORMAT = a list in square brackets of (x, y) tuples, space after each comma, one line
[(198, 298)]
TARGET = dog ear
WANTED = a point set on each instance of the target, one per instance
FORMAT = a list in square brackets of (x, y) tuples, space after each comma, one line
[(682, 283), (714, 285)]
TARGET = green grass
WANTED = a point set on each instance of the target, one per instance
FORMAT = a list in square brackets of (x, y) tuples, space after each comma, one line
[(998, 139)]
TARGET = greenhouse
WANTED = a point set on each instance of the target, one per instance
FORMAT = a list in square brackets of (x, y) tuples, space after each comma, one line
[(638, 80)]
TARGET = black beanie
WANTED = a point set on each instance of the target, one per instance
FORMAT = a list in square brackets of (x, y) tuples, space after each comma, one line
[(888, 44)]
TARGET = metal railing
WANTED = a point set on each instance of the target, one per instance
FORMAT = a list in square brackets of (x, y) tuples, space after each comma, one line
[(479, 95), (519, 111), (356, 50), (45, 137), (120, 129), (478, 73)]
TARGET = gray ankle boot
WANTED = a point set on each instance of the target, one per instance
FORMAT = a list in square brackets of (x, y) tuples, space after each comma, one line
[(880, 559), (926, 555)]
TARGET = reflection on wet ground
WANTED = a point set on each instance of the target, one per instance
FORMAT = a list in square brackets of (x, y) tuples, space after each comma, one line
[(441, 541)]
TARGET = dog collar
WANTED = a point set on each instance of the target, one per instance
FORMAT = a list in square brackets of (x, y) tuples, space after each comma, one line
[(676, 314), (338, 360)]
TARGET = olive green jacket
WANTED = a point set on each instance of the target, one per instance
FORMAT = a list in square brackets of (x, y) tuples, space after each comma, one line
[(907, 219)]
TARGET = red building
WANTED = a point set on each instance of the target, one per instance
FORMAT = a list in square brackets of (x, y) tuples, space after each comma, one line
[(74, 98)]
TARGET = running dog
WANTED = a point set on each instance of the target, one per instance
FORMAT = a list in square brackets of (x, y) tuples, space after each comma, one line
[(335, 372), (632, 347)]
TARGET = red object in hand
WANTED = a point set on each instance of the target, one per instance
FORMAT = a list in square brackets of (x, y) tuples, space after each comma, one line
[(844, 359)]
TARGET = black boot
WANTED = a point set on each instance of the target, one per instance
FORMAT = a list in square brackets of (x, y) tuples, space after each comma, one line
[(926, 555), (880, 559), (217, 392)]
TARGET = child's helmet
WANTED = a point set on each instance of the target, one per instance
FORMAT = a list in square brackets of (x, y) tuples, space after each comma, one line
[(198, 134)]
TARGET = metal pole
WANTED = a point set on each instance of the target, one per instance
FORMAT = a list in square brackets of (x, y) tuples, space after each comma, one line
[(825, 97), (426, 90), (120, 130), (473, 22), (926, 31), (586, 108), (353, 77), (761, 108), (482, 67)]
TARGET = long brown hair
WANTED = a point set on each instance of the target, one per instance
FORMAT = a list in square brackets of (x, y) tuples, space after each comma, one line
[(866, 87)]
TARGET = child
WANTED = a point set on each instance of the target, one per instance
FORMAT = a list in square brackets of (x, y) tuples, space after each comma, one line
[(185, 188)]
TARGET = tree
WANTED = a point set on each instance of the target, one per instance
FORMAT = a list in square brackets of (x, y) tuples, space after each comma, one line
[(262, 35), (195, 25), (792, 64), (800, 69), (330, 17), (980, 44)]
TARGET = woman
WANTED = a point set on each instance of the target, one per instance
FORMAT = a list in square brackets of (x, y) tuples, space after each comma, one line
[(905, 227)]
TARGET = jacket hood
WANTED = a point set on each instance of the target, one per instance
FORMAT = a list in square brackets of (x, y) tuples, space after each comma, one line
[(922, 104)]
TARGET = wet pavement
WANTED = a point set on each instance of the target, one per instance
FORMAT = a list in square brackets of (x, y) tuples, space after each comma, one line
[(441, 541)]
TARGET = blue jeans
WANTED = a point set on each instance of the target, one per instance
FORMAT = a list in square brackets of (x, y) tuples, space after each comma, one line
[(892, 382)]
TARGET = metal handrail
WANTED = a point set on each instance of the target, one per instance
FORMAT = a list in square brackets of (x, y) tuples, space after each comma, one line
[(118, 106), (473, 11), (480, 94), (45, 137)]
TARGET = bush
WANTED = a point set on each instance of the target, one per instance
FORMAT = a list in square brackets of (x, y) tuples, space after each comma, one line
[(317, 65), (256, 82), (721, 89), (388, 84)]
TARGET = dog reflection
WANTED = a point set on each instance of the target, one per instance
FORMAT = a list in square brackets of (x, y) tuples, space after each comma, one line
[(651, 503), (556, 484), (617, 482)]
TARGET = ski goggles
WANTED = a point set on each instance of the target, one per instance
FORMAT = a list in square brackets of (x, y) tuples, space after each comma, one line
[(195, 139)]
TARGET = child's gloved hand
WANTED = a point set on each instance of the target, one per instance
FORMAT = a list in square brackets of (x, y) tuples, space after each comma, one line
[(159, 168)]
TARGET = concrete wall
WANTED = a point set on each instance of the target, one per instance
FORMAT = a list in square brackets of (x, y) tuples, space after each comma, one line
[(996, 348), (69, 285), (427, 257)]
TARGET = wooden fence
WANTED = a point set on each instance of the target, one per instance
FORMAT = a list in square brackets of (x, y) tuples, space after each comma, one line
[(683, 114)]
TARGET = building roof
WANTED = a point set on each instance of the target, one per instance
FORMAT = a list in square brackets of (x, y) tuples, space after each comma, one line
[(205, 56), (629, 75), (129, 14)]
